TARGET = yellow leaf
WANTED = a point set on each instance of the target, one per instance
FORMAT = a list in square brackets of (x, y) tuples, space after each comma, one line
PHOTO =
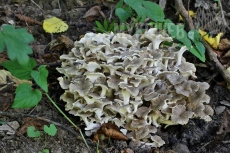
[(191, 14), (214, 42), (54, 25)]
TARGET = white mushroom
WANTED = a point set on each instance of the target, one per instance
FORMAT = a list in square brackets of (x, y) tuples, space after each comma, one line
[(135, 82)]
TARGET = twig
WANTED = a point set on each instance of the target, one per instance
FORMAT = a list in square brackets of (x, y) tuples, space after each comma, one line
[(59, 5), (213, 58), (20, 115), (181, 9)]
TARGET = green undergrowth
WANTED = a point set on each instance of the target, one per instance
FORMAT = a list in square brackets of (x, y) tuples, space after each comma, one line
[(50, 130), (16, 43), (141, 10)]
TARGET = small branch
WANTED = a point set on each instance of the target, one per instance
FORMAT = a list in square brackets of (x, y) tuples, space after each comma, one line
[(181, 9), (213, 58)]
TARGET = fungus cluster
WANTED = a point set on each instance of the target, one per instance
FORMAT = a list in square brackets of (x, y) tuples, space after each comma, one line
[(135, 82)]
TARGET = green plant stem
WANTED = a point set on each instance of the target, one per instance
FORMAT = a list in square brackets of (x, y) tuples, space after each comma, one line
[(75, 126)]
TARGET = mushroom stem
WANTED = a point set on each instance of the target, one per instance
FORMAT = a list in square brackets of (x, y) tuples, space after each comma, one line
[(103, 92), (179, 55), (125, 78), (126, 96), (165, 121)]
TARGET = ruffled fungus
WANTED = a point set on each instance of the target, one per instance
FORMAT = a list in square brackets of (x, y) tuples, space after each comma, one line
[(135, 82)]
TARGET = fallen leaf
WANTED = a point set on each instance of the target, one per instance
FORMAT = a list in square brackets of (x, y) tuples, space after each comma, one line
[(61, 45), (93, 13), (224, 44), (213, 41), (54, 25), (112, 131), (4, 75)]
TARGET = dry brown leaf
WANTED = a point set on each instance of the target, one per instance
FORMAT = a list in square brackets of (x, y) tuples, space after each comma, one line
[(28, 121), (57, 47), (112, 131), (93, 13), (27, 19), (224, 44), (96, 137)]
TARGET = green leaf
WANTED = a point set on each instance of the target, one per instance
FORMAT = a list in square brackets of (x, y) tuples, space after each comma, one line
[(123, 13), (195, 52), (18, 70), (159, 25), (100, 30), (26, 97), (146, 9), (119, 4), (200, 47), (32, 133), (52, 130), (137, 5), (178, 33), (111, 26), (99, 25), (106, 24), (40, 77), (2, 45), (16, 42), (154, 11), (194, 35)]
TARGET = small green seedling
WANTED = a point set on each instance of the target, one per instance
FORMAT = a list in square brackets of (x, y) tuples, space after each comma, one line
[(123, 12), (32, 132), (52, 130), (106, 27)]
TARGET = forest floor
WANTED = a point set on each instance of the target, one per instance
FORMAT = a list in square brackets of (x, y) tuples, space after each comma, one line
[(197, 136)]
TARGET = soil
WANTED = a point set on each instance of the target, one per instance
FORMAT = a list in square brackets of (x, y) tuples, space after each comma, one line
[(197, 136)]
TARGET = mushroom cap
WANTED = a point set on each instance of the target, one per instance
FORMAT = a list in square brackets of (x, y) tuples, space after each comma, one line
[(80, 85), (91, 66), (180, 115)]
